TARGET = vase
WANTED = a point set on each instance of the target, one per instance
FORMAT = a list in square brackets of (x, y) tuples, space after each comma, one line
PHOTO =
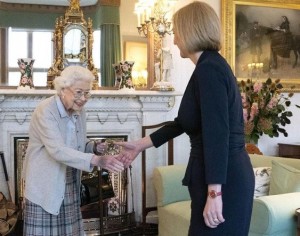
[(248, 139), (26, 69), (251, 146), (123, 75)]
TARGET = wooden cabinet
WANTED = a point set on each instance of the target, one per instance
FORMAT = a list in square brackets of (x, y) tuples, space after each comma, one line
[(289, 150), (297, 212)]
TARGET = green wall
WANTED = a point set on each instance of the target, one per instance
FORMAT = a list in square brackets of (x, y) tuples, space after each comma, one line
[(42, 20)]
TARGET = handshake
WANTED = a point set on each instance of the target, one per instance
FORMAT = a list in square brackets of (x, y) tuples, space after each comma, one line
[(113, 156)]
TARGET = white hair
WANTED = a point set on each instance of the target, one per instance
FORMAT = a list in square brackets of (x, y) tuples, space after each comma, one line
[(72, 74)]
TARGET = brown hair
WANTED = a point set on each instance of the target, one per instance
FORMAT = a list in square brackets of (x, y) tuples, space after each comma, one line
[(198, 26)]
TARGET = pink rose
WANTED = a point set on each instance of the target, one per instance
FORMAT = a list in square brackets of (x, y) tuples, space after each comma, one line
[(257, 86), (254, 111)]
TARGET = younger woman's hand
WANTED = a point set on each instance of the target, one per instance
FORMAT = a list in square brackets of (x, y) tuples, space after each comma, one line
[(129, 151), (109, 162)]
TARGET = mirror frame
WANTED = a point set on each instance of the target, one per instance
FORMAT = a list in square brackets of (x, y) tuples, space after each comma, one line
[(73, 19), (82, 55)]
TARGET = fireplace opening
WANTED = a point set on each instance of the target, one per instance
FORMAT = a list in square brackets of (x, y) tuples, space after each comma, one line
[(114, 214)]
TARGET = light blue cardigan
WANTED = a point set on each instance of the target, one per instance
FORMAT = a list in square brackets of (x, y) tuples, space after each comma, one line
[(47, 156)]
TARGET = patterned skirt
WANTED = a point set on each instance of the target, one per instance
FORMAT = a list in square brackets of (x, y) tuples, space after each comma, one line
[(38, 222)]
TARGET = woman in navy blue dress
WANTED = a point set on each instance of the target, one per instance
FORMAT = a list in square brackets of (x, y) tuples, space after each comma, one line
[(219, 174)]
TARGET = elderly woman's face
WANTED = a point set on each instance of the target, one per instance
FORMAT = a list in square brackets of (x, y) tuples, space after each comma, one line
[(76, 96)]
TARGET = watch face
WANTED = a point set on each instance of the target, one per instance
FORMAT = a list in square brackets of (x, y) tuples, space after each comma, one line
[(212, 194)]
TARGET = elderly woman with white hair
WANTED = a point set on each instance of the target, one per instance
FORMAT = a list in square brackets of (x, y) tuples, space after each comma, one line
[(58, 151)]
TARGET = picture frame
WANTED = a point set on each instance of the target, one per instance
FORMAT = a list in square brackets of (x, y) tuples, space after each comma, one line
[(238, 16)]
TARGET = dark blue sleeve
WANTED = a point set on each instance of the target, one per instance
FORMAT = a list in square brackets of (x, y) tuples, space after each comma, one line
[(167, 132), (213, 100)]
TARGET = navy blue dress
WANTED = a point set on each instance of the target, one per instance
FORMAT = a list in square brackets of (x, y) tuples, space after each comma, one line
[(211, 114)]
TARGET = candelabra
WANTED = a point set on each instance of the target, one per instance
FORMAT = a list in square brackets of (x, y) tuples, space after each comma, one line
[(255, 70), (154, 17), (161, 26)]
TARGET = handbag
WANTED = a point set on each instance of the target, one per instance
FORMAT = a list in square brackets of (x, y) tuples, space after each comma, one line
[(89, 190)]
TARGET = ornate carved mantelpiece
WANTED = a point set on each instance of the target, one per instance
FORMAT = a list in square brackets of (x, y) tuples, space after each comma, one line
[(109, 112)]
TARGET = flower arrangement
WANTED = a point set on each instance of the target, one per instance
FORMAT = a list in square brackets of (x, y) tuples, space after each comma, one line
[(264, 108)]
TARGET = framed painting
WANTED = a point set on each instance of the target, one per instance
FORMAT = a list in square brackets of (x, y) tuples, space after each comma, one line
[(262, 40)]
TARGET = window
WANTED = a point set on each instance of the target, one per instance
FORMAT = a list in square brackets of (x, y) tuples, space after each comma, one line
[(96, 52), (29, 44), (37, 44)]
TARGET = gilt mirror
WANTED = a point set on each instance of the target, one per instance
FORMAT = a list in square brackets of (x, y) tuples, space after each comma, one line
[(73, 43)]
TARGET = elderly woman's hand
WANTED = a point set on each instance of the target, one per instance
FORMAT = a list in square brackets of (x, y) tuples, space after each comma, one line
[(108, 162)]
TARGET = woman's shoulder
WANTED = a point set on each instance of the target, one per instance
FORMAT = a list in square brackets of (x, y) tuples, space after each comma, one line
[(212, 60), (49, 101), (46, 105)]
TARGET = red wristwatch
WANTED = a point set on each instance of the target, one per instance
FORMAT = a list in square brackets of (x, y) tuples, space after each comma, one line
[(214, 194)]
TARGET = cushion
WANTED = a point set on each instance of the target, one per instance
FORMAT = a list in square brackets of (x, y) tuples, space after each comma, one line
[(167, 181), (284, 179), (262, 181), (174, 219)]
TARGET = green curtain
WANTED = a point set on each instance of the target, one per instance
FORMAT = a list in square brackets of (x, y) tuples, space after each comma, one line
[(29, 20), (110, 52)]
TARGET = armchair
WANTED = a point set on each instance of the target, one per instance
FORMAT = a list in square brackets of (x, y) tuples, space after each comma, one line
[(271, 215)]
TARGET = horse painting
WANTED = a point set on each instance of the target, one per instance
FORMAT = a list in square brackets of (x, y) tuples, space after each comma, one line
[(281, 44)]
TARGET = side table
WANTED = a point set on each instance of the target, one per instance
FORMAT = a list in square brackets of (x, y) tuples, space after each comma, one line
[(297, 212), (289, 150)]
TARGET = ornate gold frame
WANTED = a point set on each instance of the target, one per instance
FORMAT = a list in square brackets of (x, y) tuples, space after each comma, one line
[(21, 145), (73, 19), (229, 28)]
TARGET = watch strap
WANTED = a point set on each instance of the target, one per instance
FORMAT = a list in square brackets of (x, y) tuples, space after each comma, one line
[(214, 194)]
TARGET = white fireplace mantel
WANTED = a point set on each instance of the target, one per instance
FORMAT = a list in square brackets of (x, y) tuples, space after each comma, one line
[(19, 104), (109, 112)]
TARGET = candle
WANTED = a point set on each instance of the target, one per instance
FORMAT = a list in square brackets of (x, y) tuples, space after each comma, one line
[(137, 10), (143, 17), (148, 13), (139, 18)]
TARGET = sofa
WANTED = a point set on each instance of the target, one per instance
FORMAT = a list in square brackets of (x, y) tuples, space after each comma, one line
[(272, 214)]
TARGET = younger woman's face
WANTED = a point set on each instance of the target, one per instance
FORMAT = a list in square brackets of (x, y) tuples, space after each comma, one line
[(76, 96), (178, 42)]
